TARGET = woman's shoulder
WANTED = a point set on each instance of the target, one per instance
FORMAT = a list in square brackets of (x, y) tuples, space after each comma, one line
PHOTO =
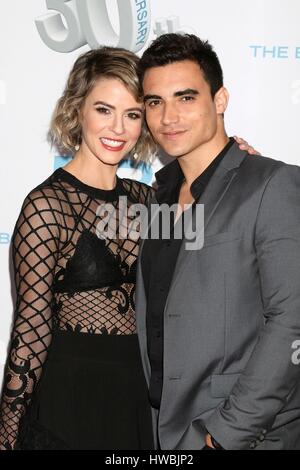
[(46, 195), (140, 192)]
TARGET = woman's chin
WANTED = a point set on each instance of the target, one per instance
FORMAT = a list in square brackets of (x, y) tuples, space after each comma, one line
[(110, 159)]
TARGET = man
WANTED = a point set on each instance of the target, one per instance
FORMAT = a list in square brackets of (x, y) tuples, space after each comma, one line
[(218, 326)]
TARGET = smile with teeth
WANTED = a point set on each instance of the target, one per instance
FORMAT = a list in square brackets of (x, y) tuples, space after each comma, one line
[(112, 144)]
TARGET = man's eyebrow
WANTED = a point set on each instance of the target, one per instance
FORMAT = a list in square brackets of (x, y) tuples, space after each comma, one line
[(187, 91), (151, 97)]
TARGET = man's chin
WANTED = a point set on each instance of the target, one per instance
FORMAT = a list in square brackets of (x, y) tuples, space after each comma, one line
[(175, 155), (172, 152)]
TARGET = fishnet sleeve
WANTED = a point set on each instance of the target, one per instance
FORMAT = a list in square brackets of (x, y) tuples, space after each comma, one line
[(35, 248), (141, 192)]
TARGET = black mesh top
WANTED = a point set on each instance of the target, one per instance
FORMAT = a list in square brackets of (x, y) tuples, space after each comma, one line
[(75, 269)]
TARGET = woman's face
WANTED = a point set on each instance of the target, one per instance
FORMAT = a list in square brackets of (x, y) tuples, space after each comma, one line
[(111, 121)]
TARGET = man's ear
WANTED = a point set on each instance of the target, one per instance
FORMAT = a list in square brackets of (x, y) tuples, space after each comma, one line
[(221, 100)]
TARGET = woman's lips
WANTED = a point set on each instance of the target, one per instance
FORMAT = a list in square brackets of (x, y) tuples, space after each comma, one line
[(114, 145)]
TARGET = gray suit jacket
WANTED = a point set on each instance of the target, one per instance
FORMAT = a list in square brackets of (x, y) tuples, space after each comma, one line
[(232, 315)]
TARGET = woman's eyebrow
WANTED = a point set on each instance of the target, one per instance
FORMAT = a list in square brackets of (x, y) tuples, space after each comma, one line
[(103, 103)]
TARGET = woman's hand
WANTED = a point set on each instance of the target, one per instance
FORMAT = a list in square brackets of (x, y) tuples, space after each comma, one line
[(243, 144)]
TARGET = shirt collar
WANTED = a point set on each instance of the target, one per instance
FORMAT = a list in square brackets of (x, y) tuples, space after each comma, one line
[(169, 178)]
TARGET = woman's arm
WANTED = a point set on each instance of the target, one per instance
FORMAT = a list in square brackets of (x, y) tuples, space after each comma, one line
[(35, 248)]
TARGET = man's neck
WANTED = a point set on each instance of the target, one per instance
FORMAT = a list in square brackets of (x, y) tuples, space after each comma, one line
[(195, 163)]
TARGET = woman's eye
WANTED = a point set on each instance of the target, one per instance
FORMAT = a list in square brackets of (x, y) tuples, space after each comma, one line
[(134, 116), (103, 110)]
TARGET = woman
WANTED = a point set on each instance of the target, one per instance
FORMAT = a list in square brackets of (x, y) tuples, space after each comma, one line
[(74, 366), (74, 378)]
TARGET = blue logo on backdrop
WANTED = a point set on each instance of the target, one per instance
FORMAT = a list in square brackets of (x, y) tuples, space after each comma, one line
[(4, 238), (142, 172), (61, 160), (127, 168), (275, 52)]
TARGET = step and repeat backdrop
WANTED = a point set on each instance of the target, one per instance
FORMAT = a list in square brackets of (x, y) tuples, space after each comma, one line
[(258, 42)]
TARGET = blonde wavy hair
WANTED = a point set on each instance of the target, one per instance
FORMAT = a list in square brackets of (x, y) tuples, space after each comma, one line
[(105, 62)]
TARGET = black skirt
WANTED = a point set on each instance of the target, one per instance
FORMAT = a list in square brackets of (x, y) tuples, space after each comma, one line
[(92, 395)]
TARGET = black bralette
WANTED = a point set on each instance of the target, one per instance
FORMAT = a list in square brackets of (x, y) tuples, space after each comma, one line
[(92, 266)]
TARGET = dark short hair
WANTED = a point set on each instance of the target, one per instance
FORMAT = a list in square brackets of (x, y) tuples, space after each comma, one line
[(175, 47)]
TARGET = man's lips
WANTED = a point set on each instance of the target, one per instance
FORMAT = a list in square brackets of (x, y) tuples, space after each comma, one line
[(114, 145), (173, 135)]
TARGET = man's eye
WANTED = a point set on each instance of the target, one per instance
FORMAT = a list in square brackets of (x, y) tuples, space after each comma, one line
[(153, 103), (134, 116), (103, 110), (188, 98)]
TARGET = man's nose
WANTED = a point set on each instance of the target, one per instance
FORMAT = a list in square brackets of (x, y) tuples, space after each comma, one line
[(170, 114)]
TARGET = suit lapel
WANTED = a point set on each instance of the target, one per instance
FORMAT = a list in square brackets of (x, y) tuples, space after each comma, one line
[(211, 198), (221, 181), (215, 191)]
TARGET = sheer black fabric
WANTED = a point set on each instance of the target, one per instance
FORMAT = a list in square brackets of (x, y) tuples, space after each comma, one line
[(74, 272)]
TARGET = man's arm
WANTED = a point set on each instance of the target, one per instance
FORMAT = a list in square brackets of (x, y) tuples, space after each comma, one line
[(270, 375)]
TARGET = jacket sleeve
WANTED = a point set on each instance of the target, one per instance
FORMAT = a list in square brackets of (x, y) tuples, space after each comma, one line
[(271, 374), (35, 247)]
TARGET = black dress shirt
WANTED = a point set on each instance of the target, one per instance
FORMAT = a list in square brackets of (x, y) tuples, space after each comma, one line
[(158, 262)]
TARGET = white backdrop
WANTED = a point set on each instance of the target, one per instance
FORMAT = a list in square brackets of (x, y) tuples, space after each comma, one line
[(258, 42)]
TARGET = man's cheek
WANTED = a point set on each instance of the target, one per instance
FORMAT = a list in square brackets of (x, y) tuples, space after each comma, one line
[(151, 126)]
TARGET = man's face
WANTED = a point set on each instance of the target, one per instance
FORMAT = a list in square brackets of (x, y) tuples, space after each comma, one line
[(180, 111)]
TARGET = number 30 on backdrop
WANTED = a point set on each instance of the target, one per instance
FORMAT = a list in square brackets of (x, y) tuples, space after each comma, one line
[(87, 22)]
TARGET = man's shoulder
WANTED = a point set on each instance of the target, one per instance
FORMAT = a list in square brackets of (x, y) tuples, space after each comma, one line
[(263, 162), (266, 167)]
